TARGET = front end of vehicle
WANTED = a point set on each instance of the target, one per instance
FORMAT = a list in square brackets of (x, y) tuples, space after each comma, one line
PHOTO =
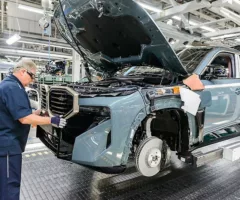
[(97, 129)]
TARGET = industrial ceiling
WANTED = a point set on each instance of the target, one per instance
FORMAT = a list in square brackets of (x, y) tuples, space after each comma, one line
[(183, 22)]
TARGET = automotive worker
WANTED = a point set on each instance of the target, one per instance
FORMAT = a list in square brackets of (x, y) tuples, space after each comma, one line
[(15, 118)]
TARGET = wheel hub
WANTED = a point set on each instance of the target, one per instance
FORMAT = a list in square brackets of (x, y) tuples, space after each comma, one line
[(154, 157), (148, 156)]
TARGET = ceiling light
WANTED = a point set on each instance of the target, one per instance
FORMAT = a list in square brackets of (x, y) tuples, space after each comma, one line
[(34, 53), (225, 36), (237, 39), (170, 22), (148, 7), (192, 23), (45, 44), (31, 9), (13, 39), (177, 17), (208, 29), (12, 56)]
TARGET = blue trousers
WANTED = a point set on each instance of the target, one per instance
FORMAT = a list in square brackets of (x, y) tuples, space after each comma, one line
[(10, 177)]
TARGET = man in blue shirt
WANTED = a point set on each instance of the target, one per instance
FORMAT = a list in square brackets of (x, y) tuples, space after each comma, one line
[(15, 118)]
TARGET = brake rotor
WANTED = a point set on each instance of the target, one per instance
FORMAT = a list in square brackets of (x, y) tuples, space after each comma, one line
[(148, 156)]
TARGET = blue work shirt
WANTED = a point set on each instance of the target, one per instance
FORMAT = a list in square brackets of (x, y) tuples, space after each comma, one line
[(14, 105)]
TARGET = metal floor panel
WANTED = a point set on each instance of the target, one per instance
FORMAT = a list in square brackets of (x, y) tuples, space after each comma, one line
[(46, 177)]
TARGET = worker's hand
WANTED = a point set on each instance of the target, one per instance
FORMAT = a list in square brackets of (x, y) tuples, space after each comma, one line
[(59, 121)]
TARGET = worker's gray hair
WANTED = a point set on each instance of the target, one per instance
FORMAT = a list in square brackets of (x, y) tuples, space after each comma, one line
[(25, 63)]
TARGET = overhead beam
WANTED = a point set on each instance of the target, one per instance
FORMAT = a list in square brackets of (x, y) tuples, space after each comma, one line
[(45, 43), (184, 20), (227, 14), (173, 32), (234, 4), (222, 32), (204, 16), (181, 9), (208, 23)]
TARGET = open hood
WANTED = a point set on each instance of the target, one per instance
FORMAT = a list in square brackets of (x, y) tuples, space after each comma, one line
[(110, 34)]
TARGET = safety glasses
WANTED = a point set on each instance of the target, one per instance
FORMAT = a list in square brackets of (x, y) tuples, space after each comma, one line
[(32, 75)]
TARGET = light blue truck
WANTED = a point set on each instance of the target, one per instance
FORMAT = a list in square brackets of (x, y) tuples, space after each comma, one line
[(139, 113)]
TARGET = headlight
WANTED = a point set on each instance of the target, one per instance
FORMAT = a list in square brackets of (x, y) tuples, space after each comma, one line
[(97, 110)]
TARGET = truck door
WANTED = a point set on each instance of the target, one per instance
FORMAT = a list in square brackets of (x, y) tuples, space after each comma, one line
[(220, 79)]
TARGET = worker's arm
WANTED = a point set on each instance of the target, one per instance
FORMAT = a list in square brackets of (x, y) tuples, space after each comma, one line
[(38, 120), (21, 111), (35, 119)]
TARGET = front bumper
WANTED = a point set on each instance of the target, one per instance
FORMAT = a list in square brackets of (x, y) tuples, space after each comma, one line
[(106, 145), (90, 150)]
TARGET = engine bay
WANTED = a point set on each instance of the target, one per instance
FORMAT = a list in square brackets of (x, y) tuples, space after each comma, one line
[(125, 85)]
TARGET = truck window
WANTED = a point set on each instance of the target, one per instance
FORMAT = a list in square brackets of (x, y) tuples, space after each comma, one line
[(222, 67)]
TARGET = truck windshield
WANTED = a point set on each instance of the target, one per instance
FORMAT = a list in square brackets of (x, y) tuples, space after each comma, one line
[(191, 57)]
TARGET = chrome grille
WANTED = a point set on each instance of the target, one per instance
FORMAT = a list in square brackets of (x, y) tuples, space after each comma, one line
[(60, 101), (43, 95)]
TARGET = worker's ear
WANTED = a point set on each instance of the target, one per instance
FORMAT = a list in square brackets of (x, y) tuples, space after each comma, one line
[(22, 71)]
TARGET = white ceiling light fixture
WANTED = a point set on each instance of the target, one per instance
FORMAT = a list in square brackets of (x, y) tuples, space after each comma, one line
[(177, 17), (170, 22), (34, 53), (31, 9), (192, 23), (13, 39), (12, 56), (38, 43), (238, 40), (148, 7)]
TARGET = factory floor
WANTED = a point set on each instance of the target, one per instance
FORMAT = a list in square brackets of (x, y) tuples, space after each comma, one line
[(46, 177)]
